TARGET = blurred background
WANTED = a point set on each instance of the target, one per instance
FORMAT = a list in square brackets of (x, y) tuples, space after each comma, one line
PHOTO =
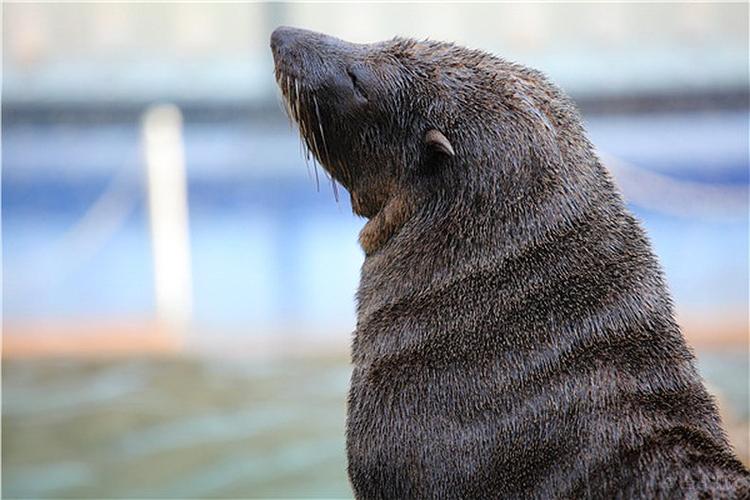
[(178, 294)]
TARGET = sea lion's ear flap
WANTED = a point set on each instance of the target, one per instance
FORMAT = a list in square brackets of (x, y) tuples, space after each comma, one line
[(435, 140)]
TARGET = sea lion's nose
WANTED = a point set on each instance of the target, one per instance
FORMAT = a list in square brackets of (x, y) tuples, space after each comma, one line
[(285, 39)]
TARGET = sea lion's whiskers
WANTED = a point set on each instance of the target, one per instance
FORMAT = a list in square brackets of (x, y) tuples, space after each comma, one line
[(303, 153), (302, 118), (281, 79), (314, 163), (310, 148), (297, 123), (314, 141), (285, 87), (322, 135), (309, 172), (296, 101), (291, 99), (311, 135), (313, 148), (317, 178), (335, 189)]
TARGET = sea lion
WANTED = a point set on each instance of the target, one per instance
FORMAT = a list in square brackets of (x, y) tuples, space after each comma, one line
[(515, 337)]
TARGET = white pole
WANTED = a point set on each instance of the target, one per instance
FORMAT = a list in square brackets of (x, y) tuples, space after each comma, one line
[(168, 213)]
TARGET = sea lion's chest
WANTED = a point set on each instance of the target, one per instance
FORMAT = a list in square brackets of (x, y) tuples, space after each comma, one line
[(424, 406), (409, 424)]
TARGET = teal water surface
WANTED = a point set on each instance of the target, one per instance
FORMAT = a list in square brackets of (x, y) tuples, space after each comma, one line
[(181, 427)]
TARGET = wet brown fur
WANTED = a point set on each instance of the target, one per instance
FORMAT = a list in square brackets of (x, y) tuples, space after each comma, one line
[(515, 337), (387, 222)]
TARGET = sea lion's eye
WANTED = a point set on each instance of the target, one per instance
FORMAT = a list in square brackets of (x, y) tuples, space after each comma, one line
[(356, 83)]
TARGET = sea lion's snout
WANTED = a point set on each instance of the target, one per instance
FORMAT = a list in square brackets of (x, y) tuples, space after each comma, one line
[(286, 36), (290, 44), (324, 83), (319, 61)]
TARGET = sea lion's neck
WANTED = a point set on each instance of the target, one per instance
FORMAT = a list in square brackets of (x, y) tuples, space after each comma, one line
[(431, 244), (385, 224)]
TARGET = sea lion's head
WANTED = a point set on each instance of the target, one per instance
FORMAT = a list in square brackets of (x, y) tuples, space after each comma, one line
[(404, 123)]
